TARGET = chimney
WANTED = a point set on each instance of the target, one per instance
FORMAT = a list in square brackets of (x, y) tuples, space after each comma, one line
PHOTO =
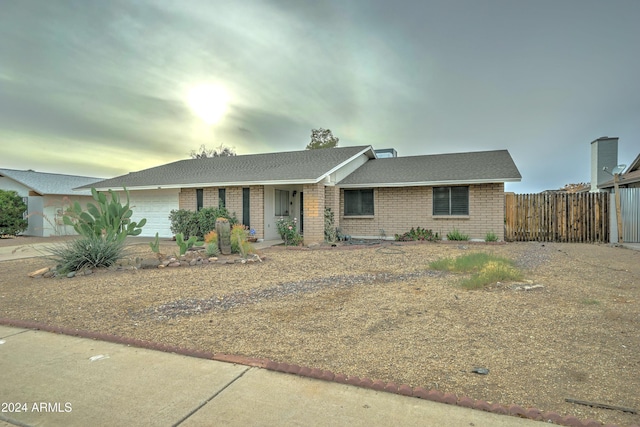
[(604, 153)]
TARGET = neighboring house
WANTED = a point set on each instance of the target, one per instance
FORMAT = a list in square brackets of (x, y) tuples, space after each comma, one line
[(629, 178), (604, 160), (47, 195), (629, 189), (369, 196)]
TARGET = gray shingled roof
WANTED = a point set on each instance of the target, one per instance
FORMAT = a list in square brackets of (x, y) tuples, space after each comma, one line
[(482, 166), (50, 183), (307, 166)]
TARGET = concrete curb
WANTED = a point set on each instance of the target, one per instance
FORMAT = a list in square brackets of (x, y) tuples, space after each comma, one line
[(320, 374)]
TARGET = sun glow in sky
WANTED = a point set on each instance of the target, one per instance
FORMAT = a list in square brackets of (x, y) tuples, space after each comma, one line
[(209, 102), (145, 82)]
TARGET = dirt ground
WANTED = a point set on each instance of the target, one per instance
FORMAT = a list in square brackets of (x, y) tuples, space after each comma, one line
[(379, 312)]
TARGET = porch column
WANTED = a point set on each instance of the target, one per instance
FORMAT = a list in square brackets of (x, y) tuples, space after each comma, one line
[(332, 201), (313, 213), (256, 208)]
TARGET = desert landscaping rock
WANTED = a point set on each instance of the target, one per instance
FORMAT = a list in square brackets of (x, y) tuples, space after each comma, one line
[(149, 263), (379, 313), (39, 272)]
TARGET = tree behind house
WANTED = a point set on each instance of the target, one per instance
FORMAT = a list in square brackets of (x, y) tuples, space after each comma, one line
[(12, 209), (322, 138), (205, 152)]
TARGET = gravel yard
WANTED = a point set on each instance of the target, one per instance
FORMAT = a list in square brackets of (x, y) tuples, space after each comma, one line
[(379, 312)]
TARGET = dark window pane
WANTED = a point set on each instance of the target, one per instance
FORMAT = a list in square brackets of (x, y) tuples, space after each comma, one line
[(451, 200), (366, 202), (459, 200), (358, 202), (199, 199), (222, 198), (246, 213), (441, 200)]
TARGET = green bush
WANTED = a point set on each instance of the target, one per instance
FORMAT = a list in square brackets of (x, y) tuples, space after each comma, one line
[(108, 220), (12, 209), (457, 235), (484, 268), (288, 229), (86, 252), (468, 263), (212, 249), (418, 234), (239, 234), (183, 222), (491, 237), (191, 223)]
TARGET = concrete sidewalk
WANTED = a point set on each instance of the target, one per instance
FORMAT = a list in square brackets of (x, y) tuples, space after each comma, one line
[(50, 379)]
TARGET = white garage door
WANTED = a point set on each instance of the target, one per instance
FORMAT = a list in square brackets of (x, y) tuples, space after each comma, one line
[(155, 206)]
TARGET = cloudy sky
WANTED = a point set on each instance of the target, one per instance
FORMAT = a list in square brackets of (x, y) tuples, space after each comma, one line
[(102, 88)]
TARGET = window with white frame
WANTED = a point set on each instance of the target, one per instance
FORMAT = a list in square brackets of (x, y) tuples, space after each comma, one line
[(450, 200), (282, 203), (358, 202)]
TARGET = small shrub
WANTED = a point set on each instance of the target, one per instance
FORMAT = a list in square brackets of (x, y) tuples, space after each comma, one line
[(417, 234), (245, 248), (12, 209), (238, 235), (492, 272), (288, 231), (457, 235), (207, 217), (485, 269), (491, 237), (211, 237), (190, 223), (240, 240), (212, 249), (183, 222), (86, 252)]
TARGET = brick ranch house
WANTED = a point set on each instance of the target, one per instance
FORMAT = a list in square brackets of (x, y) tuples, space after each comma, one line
[(368, 194)]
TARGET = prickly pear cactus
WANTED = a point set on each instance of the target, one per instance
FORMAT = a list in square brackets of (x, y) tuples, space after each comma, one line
[(108, 219)]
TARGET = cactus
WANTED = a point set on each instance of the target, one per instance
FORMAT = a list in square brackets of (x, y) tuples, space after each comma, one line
[(108, 219), (155, 245), (185, 245)]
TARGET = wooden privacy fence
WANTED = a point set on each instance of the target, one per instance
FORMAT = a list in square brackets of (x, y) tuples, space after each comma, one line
[(557, 217)]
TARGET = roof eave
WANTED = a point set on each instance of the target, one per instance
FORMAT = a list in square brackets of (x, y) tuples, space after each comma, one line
[(429, 183), (31, 188), (214, 184)]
